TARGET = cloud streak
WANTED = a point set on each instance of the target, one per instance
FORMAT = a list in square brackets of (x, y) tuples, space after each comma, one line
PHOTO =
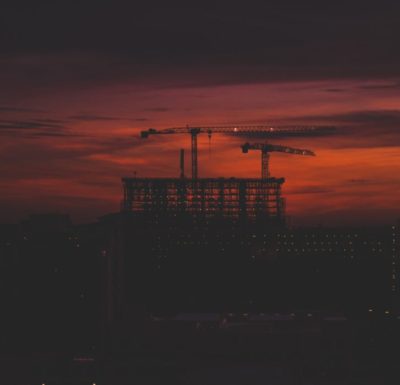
[(91, 118), (17, 109), (30, 124)]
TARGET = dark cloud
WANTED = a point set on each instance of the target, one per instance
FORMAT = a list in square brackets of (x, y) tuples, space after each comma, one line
[(162, 33), (30, 124), (367, 129), (17, 109), (44, 43), (369, 117), (157, 109), (53, 134), (35, 128), (335, 90), (89, 118), (48, 120), (389, 86), (356, 129), (38, 134)]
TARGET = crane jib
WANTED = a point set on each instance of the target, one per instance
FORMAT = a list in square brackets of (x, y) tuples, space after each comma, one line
[(243, 130), (250, 130)]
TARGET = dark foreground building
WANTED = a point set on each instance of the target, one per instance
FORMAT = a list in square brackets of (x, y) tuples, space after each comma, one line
[(146, 287), (316, 304)]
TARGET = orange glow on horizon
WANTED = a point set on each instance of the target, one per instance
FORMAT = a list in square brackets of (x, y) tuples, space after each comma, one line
[(354, 171)]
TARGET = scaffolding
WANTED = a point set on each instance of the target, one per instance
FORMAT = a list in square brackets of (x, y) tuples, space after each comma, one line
[(234, 198)]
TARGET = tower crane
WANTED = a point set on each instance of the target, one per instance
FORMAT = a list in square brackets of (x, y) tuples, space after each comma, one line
[(266, 148), (259, 130)]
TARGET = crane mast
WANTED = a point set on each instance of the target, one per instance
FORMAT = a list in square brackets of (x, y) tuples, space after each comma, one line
[(258, 130), (264, 165), (193, 133)]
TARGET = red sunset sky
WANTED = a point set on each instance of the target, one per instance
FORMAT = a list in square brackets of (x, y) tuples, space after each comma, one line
[(70, 118)]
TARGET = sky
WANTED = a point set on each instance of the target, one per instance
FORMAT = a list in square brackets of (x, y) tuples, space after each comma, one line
[(78, 82)]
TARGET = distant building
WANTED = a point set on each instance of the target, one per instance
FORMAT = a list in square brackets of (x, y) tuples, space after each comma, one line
[(48, 223), (51, 285)]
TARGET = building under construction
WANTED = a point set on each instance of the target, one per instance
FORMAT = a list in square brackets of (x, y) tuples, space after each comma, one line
[(233, 198)]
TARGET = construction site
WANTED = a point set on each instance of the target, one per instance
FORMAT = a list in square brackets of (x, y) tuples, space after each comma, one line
[(176, 232), (239, 199)]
